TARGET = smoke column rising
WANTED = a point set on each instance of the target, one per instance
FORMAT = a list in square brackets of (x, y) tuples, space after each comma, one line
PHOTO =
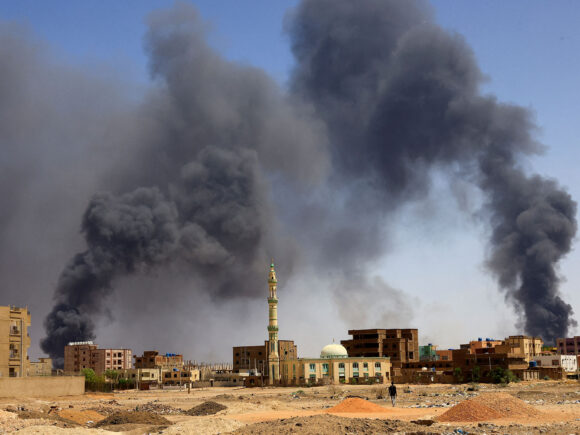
[(400, 96), (380, 96)]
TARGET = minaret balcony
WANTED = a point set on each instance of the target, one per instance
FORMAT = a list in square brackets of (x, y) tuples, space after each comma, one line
[(273, 300), (272, 328)]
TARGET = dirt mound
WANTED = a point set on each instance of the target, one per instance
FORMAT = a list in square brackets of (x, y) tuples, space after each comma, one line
[(356, 405), (139, 417), (81, 416), (206, 408), (330, 424), (489, 406), (159, 408)]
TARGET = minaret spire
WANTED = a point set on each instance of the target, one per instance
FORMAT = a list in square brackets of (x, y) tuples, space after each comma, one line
[(273, 356)]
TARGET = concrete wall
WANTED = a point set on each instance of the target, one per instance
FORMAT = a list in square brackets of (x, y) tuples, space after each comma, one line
[(42, 386)]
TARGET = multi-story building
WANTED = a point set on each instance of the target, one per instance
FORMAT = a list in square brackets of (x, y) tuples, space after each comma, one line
[(152, 359), (78, 356), (526, 346), (87, 355), (255, 358), (428, 352), (111, 359), (14, 341), (568, 346), (401, 345)]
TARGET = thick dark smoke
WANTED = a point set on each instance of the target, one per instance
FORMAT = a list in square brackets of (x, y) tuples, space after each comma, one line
[(199, 197), (224, 166), (400, 96)]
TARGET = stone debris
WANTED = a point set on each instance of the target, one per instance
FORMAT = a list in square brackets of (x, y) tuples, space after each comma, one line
[(160, 409), (206, 408)]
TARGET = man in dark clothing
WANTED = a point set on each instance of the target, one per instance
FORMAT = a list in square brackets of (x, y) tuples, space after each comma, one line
[(393, 393)]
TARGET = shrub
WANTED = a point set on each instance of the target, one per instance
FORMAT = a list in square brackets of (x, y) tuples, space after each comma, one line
[(89, 374), (503, 376), (457, 374), (476, 374)]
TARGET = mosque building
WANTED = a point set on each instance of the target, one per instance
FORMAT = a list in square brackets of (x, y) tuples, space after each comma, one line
[(281, 364)]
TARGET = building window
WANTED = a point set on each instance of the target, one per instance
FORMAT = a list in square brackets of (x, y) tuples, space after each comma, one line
[(377, 365), (366, 365), (340, 365), (355, 365), (325, 367), (312, 367)]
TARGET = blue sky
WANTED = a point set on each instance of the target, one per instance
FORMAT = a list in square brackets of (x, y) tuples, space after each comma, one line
[(528, 49)]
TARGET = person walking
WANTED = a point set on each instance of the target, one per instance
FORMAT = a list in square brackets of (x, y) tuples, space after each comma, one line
[(393, 393)]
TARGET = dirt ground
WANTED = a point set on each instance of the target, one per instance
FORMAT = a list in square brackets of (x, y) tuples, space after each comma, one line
[(548, 407)]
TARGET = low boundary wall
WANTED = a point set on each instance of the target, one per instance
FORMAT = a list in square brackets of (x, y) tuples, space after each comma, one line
[(42, 386)]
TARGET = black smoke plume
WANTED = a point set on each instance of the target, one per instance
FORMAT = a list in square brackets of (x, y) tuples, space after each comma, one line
[(198, 195), (380, 98), (400, 96)]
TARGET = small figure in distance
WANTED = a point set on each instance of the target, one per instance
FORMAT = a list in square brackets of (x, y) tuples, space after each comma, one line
[(393, 393)]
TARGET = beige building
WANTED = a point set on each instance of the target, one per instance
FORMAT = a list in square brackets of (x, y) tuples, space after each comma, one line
[(153, 359), (143, 375), (521, 345), (42, 367), (335, 366), (14, 341), (87, 355)]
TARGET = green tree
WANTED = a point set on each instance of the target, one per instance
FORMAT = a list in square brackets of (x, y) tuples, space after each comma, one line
[(476, 374), (503, 376), (112, 375), (89, 374), (457, 373)]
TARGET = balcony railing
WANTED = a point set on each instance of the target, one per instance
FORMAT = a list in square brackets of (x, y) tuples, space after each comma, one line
[(14, 330)]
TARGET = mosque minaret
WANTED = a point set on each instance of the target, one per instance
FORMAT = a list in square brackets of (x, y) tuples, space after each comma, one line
[(273, 357)]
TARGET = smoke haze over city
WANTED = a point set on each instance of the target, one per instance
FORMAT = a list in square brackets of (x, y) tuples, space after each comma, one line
[(155, 208)]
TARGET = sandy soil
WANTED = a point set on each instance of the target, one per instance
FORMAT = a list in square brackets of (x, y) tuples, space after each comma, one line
[(295, 410)]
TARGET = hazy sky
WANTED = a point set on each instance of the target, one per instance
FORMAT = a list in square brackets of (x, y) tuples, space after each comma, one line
[(528, 49)]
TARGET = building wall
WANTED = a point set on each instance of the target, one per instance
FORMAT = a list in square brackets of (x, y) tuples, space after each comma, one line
[(153, 359), (568, 346), (42, 386), (528, 347), (87, 355), (180, 377), (483, 344), (14, 341), (247, 358), (568, 362), (111, 359), (78, 356), (42, 367), (445, 355), (400, 345), (334, 370)]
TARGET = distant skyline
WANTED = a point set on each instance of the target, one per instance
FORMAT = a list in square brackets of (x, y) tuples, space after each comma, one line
[(528, 49)]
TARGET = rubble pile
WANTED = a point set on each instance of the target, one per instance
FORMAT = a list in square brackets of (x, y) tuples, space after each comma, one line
[(159, 408), (206, 408)]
